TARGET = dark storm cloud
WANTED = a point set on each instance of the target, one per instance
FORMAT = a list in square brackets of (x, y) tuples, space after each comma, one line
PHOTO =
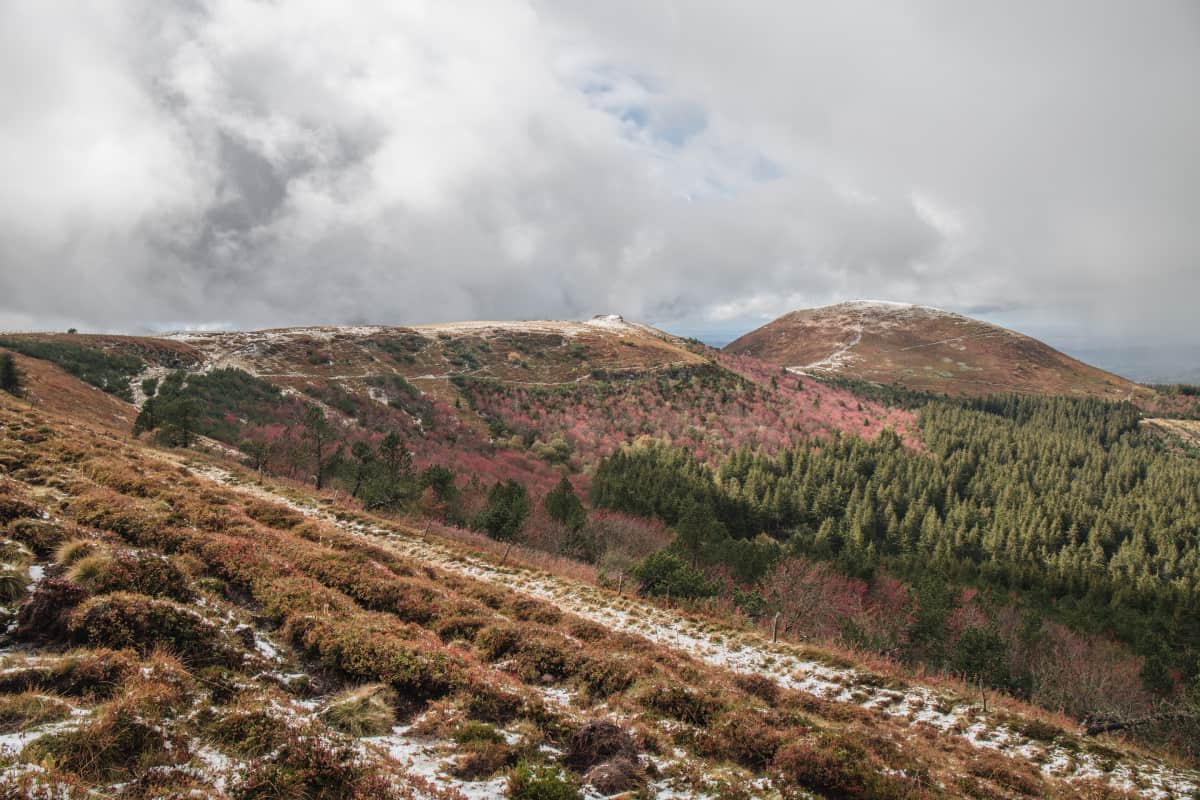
[(242, 163)]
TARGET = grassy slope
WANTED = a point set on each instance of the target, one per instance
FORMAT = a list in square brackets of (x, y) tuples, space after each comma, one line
[(927, 351), (345, 598)]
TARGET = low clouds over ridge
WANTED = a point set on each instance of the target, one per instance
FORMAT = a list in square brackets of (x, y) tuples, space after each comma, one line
[(244, 163)]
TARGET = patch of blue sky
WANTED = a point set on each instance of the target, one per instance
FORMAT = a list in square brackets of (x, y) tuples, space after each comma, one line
[(672, 128)]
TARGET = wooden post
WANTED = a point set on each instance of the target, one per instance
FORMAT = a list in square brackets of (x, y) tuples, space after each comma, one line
[(620, 582), (505, 556), (775, 628), (983, 694)]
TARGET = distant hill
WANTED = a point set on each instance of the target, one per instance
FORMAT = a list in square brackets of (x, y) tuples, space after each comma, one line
[(925, 349)]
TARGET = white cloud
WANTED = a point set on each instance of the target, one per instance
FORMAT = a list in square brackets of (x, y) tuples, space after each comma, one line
[(273, 163)]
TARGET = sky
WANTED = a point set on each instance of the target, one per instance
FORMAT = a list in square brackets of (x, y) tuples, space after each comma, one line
[(704, 166)]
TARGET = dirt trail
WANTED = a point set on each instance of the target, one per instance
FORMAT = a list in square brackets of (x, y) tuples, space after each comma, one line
[(748, 652)]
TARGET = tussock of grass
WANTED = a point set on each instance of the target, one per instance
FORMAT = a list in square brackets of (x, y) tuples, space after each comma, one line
[(73, 550), (13, 581), (367, 710)]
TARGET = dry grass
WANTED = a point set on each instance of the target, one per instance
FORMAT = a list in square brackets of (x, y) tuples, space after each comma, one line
[(367, 710)]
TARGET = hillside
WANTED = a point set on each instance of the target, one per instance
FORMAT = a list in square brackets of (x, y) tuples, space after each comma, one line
[(182, 628), (497, 399), (925, 349)]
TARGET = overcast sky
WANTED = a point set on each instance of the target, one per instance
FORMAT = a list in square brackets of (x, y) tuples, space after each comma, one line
[(701, 165)]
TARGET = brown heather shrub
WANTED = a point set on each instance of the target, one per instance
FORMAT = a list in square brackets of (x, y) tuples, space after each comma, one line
[(464, 628), (314, 767), (597, 741), (745, 736), (167, 783), (39, 535), (143, 623), (375, 647), (621, 774), (527, 608), (1009, 773), (683, 703), (603, 676), (284, 597), (125, 570), (15, 507), (497, 641), (88, 674), (587, 631), (133, 522), (483, 698), (545, 659), (241, 562), (837, 765), (491, 596), (273, 515), (251, 726), (757, 685), (45, 614)]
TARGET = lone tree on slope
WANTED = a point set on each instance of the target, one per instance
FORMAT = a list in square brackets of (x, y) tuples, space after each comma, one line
[(11, 379)]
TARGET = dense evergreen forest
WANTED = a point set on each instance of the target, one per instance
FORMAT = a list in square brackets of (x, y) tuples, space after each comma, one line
[(1058, 508)]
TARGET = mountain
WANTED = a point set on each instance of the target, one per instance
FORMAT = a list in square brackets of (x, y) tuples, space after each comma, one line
[(925, 349), (175, 624)]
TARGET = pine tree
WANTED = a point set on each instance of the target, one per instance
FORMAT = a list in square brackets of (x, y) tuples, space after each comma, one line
[(319, 434), (506, 510), (564, 507), (11, 379)]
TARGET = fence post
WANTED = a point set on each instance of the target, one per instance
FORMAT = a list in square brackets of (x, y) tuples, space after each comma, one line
[(775, 628), (620, 582)]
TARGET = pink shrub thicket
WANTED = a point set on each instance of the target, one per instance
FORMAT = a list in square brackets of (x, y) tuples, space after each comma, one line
[(747, 404), (816, 602)]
